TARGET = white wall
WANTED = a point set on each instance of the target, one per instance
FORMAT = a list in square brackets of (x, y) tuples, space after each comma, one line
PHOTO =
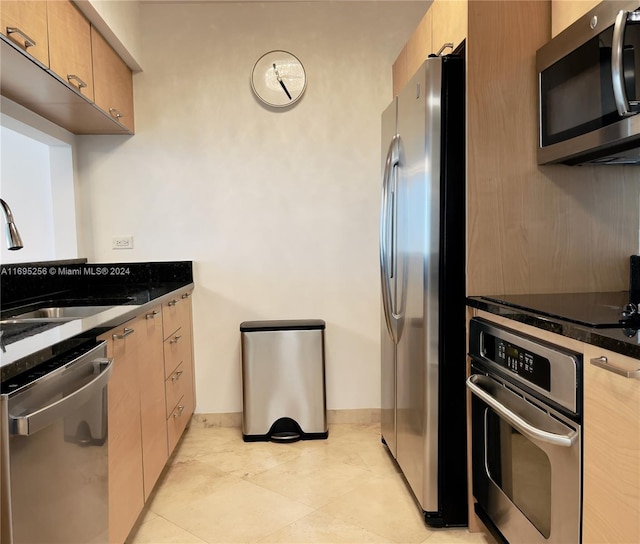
[(278, 210), (37, 181)]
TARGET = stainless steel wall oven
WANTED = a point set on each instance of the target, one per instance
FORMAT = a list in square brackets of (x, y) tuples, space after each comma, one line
[(526, 445)]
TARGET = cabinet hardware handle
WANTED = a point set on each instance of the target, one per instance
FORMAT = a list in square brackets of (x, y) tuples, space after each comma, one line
[(175, 339), (173, 302), (28, 42), (448, 45), (179, 411), (186, 295), (73, 77), (152, 315), (127, 332), (176, 375), (602, 362), (115, 113)]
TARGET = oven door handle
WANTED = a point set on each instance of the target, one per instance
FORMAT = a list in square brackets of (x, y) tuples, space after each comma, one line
[(474, 383)]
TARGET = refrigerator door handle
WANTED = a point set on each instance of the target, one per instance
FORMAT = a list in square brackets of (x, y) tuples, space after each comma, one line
[(387, 234)]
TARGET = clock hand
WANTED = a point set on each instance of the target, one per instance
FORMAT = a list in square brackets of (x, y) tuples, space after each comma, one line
[(284, 88)]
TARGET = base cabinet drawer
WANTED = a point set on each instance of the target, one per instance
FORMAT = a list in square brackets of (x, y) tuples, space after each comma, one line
[(177, 421), (175, 313), (177, 385), (175, 349)]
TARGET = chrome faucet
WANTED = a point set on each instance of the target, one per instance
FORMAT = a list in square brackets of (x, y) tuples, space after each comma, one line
[(11, 234)]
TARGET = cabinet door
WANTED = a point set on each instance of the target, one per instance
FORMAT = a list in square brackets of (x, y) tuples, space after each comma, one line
[(113, 82), (126, 488), (566, 12), (449, 23), (70, 45), (399, 72), (419, 46), (611, 495), (152, 397), (25, 22)]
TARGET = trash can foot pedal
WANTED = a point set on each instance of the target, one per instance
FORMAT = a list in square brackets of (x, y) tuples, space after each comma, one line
[(286, 436)]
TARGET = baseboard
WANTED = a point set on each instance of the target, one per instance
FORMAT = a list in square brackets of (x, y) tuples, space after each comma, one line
[(361, 416)]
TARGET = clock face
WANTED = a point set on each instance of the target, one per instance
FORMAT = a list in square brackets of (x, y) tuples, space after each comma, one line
[(278, 79)]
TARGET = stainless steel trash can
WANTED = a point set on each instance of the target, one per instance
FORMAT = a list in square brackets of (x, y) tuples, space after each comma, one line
[(283, 380)]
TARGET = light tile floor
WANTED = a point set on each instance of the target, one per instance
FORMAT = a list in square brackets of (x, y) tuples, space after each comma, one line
[(218, 488)]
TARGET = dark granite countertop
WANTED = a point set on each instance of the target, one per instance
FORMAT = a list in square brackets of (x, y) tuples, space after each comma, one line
[(125, 290), (532, 310)]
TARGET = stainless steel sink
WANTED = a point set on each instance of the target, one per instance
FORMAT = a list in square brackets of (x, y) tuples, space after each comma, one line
[(62, 313)]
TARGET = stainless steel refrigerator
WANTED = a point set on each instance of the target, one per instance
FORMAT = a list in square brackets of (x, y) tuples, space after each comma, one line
[(422, 263)]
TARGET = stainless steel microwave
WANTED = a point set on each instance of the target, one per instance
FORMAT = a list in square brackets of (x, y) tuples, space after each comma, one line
[(589, 89)]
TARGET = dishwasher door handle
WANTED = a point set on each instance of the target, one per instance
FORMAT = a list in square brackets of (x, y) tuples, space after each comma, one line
[(32, 422)]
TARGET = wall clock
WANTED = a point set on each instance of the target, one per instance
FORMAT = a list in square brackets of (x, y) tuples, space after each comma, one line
[(278, 79)]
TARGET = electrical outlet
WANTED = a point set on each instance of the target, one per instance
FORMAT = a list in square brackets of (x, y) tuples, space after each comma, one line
[(122, 242)]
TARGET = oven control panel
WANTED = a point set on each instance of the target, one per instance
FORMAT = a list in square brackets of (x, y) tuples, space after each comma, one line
[(548, 371), (533, 367)]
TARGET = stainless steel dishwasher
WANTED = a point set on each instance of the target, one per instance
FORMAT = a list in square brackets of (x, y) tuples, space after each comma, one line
[(53, 445)]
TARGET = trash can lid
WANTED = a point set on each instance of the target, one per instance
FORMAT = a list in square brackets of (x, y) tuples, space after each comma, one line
[(283, 325)]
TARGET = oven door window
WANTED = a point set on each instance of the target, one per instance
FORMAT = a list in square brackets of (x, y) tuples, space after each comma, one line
[(576, 93), (520, 469)]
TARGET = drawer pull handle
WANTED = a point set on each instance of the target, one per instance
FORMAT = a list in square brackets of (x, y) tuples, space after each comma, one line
[(127, 332), (28, 42), (153, 314), (448, 45), (176, 375), (175, 339), (186, 295), (178, 412), (73, 77), (602, 362), (115, 113), (173, 302)]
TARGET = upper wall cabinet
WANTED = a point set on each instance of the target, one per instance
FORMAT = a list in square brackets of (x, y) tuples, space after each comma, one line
[(112, 80), (449, 23), (24, 22), (413, 54), (70, 46), (565, 12), (62, 87), (444, 22)]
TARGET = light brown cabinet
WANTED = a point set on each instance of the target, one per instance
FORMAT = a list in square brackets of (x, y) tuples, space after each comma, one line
[(24, 22), (152, 399), (178, 365), (566, 12), (126, 475), (80, 83), (444, 22), (611, 494), (113, 81), (138, 445), (70, 45), (449, 23)]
